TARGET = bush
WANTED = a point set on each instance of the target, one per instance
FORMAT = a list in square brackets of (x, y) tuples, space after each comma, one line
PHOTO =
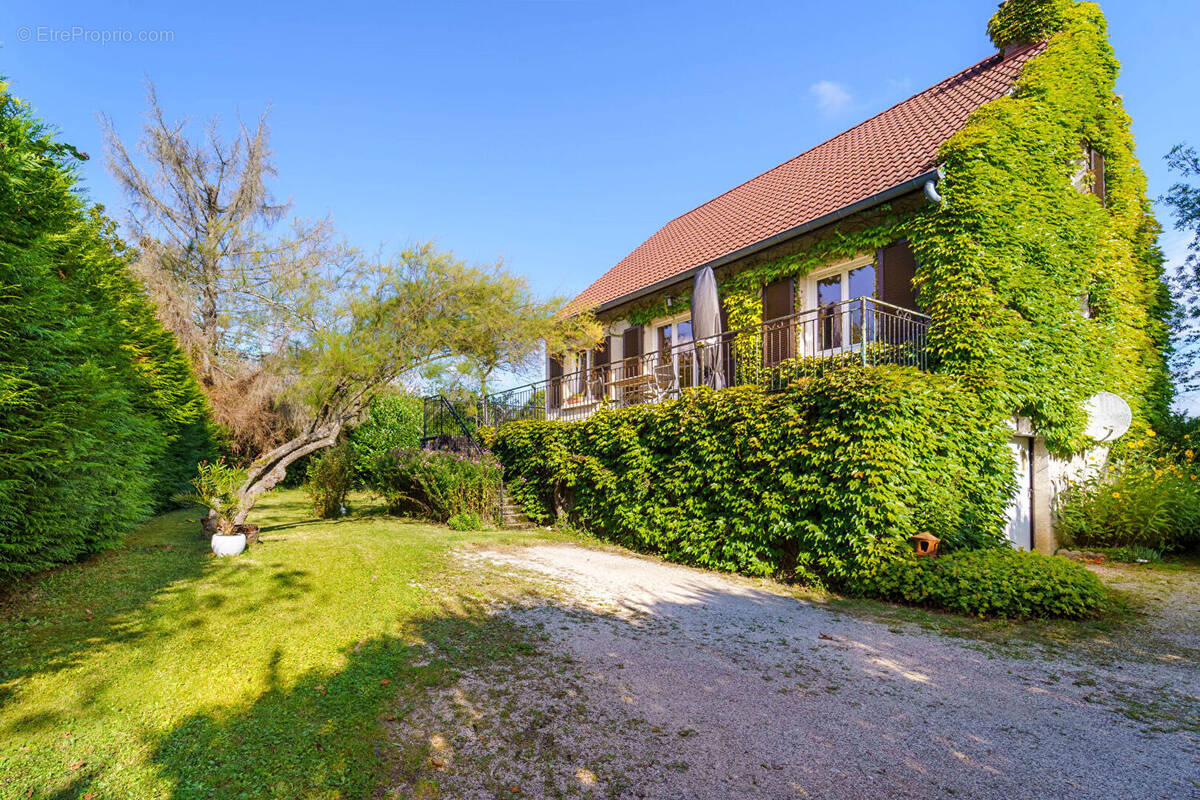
[(330, 475), (466, 521), (101, 420), (1150, 501), (438, 485), (996, 582), (823, 479), (393, 423)]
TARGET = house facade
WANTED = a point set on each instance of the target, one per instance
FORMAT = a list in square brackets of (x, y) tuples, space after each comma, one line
[(994, 227)]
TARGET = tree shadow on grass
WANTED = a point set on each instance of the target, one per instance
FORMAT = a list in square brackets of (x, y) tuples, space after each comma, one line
[(322, 736), (52, 620)]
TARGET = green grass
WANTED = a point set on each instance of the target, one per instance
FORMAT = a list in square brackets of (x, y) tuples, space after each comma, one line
[(158, 671)]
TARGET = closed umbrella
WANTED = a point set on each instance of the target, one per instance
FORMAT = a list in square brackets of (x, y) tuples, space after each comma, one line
[(706, 328)]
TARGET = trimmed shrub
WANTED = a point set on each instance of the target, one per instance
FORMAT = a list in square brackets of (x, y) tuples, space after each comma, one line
[(330, 475), (393, 423), (1141, 501), (995, 582), (101, 420), (822, 480), (438, 485)]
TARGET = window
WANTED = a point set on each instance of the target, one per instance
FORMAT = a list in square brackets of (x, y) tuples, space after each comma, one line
[(841, 322), (1090, 177), (672, 340)]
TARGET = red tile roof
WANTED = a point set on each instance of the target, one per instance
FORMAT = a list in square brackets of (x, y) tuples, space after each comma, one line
[(887, 150)]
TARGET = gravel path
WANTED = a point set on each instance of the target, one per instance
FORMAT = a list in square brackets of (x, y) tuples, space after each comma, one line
[(658, 681)]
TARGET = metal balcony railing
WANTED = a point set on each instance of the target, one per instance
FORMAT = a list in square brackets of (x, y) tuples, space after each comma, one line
[(770, 355)]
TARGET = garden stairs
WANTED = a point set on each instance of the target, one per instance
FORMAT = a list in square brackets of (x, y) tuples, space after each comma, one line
[(445, 428), (511, 514)]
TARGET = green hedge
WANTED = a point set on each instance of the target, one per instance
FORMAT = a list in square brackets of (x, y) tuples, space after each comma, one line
[(101, 420), (824, 479), (996, 582)]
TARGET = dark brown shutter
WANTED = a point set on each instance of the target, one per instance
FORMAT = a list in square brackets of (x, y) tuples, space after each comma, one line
[(779, 301), (897, 268), (631, 346), (554, 372), (1098, 188), (602, 354)]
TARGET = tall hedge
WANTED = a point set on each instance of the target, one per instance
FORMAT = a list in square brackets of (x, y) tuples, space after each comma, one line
[(101, 419), (826, 478)]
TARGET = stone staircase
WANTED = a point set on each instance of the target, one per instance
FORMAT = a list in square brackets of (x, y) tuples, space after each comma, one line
[(511, 514)]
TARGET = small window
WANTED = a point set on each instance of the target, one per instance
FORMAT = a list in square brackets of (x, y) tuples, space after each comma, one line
[(1090, 177)]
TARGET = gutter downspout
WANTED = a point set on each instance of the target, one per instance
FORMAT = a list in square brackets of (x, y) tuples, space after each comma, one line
[(932, 176), (931, 191)]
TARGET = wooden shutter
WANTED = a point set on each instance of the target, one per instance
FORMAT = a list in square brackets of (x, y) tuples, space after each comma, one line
[(603, 353), (897, 269), (1097, 168), (554, 374), (779, 301), (631, 344)]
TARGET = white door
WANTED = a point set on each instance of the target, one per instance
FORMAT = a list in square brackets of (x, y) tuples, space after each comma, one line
[(1020, 510)]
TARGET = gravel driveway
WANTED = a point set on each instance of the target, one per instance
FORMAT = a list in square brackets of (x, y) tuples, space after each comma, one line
[(659, 681)]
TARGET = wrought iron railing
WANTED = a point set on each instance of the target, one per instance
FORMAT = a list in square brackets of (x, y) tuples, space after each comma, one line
[(770, 355), (449, 425)]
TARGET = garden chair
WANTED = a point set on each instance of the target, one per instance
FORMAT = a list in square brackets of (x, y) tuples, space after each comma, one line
[(664, 382)]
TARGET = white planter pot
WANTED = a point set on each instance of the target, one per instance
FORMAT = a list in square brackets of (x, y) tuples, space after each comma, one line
[(228, 545)]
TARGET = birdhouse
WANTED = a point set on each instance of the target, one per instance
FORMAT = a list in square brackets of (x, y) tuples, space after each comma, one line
[(925, 543)]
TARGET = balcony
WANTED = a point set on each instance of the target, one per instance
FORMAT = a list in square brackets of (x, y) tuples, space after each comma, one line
[(770, 355)]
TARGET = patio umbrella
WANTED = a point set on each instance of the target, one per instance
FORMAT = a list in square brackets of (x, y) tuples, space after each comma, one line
[(706, 328)]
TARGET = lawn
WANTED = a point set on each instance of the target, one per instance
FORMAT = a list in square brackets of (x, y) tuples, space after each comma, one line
[(157, 670)]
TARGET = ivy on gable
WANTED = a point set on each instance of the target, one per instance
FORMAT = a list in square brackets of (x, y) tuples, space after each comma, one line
[(1014, 249)]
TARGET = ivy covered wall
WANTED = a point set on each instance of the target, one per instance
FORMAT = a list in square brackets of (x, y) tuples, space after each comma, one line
[(821, 480)]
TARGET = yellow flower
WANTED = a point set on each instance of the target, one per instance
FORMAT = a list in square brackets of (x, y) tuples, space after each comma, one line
[(1188, 453), (1117, 495), (1150, 432)]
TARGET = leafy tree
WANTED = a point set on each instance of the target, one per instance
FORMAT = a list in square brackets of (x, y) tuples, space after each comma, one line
[(516, 328), (361, 333), (1184, 200)]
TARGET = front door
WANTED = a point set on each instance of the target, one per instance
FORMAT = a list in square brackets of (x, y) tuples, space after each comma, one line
[(1020, 510)]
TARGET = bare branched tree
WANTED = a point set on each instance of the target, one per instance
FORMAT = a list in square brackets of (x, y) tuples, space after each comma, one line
[(218, 257)]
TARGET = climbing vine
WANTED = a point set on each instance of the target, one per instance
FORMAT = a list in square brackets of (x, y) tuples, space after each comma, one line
[(1040, 294)]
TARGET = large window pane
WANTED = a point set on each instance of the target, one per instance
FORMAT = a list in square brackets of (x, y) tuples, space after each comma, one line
[(862, 284), (829, 324)]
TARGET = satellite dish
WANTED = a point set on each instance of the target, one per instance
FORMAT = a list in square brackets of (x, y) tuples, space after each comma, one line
[(1109, 416)]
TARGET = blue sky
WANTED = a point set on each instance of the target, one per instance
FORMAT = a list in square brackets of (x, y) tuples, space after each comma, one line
[(556, 133)]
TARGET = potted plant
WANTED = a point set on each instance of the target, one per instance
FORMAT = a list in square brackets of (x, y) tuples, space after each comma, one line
[(216, 489)]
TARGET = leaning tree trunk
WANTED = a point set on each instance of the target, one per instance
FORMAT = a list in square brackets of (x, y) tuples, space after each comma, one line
[(270, 468)]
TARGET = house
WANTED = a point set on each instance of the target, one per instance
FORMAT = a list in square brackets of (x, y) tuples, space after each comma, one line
[(993, 226)]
